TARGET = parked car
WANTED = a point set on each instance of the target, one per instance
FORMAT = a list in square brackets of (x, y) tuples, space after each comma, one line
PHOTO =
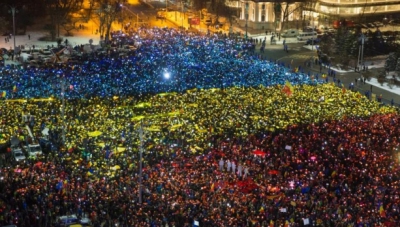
[(67, 220), (18, 154), (73, 221), (313, 41), (33, 150), (306, 35), (290, 33)]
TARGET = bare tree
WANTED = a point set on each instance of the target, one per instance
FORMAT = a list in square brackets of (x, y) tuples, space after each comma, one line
[(290, 6), (231, 12), (198, 4), (68, 26), (107, 11), (4, 24), (223, 8), (304, 5), (61, 11)]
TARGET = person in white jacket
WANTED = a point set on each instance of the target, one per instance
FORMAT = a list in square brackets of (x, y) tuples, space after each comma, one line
[(246, 171), (228, 165), (221, 165)]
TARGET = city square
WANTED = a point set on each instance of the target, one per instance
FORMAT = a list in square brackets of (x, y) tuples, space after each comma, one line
[(167, 118)]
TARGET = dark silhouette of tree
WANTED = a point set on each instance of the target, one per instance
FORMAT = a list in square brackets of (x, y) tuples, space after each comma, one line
[(284, 9), (60, 11), (198, 4), (107, 11)]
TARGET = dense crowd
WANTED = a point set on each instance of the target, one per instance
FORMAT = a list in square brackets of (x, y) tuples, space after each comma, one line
[(233, 147), (337, 173), (192, 61)]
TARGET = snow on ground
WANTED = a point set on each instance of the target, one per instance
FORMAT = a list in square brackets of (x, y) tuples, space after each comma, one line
[(24, 40), (385, 86), (373, 63)]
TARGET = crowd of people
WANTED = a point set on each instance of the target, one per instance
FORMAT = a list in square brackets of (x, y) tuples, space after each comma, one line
[(242, 142), (192, 61)]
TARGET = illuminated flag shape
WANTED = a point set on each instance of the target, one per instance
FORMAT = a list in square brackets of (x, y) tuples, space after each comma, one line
[(288, 89), (271, 224), (286, 223), (382, 211), (15, 88)]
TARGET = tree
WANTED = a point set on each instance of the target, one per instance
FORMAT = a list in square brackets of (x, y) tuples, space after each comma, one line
[(5, 23), (229, 11), (346, 44), (392, 63), (397, 69), (327, 45), (222, 8), (68, 26), (305, 6), (24, 18), (291, 6), (60, 11), (344, 47), (198, 4), (107, 11)]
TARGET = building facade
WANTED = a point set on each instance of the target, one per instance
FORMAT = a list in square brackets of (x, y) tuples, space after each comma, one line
[(280, 15)]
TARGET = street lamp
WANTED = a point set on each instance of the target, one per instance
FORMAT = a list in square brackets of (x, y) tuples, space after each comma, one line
[(140, 161), (183, 13), (63, 133), (246, 14), (313, 30), (360, 59), (121, 16), (13, 11)]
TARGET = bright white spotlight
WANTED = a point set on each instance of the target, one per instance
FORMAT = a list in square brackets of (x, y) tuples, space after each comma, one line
[(167, 75)]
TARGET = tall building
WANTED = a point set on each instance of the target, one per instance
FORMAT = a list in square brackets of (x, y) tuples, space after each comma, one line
[(279, 15)]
